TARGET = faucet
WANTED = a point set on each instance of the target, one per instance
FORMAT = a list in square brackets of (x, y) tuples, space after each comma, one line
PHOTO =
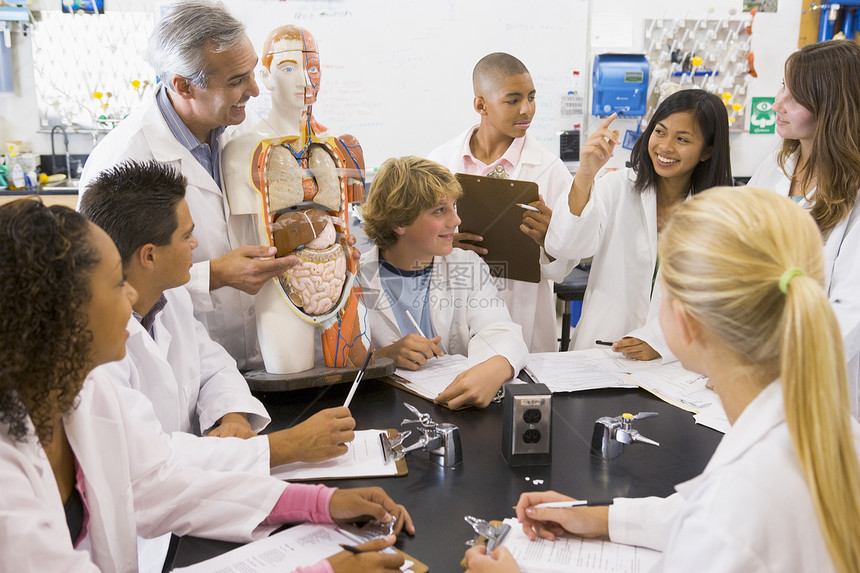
[(54, 154), (612, 434)]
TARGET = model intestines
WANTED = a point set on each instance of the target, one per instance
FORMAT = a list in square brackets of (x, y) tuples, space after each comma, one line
[(316, 284)]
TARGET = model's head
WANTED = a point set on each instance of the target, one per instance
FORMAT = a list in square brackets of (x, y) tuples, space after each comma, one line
[(401, 190), (688, 136), (504, 94), (136, 204), (291, 60), (743, 272), (818, 113), (64, 307)]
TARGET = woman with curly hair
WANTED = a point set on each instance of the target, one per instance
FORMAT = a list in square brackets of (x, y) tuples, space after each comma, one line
[(80, 476)]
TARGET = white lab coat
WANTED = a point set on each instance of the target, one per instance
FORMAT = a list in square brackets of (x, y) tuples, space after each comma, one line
[(465, 310), (192, 382), (183, 382), (227, 313), (131, 488), (618, 227), (749, 511), (532, 305), (842, 268)]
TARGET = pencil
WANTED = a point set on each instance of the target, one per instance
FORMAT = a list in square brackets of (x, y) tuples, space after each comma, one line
[(418, 328), (415, 324), (358, 377)]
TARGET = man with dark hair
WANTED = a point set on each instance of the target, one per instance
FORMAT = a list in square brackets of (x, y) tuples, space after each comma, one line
[(190, 381)]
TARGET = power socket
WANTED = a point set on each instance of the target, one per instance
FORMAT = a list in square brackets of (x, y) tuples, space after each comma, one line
[(526, 433)]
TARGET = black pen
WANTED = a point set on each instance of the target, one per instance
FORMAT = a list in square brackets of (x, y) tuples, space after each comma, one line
[(603, 343), (577, 503), (351, 549)]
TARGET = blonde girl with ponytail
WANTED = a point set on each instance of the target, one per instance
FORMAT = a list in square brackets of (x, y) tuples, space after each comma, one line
[(742, 273)]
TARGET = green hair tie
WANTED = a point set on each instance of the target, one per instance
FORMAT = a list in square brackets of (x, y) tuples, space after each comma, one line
[(787, 276)]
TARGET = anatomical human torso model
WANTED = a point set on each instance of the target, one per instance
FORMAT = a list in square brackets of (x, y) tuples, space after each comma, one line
[(297, 180)]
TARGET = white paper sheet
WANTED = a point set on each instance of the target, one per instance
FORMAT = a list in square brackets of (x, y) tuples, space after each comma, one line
[(682, 388), (364, 458), (581, 369), (576, 555), (429, 380), (295, 547)]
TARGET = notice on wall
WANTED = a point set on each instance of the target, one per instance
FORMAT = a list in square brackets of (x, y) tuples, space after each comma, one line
[(762, 116)]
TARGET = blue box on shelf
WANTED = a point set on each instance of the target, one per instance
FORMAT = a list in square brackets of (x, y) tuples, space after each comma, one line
[(619, 85)]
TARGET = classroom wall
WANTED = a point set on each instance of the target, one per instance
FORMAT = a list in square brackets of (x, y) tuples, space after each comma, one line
[(774, 38), (413, 98)]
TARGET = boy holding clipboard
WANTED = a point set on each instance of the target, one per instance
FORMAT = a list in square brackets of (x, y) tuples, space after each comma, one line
[(500, 147)]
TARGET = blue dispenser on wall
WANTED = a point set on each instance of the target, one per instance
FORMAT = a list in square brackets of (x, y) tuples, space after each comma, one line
[(619, 84)]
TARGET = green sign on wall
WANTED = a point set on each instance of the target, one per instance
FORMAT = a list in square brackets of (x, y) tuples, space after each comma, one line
[(762, 116)]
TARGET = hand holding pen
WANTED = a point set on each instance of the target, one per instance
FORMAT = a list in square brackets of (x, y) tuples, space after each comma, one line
[(588, 519), (367, 557)]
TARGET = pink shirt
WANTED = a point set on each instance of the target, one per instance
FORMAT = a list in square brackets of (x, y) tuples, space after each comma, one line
[(303, 502), (510, 159)]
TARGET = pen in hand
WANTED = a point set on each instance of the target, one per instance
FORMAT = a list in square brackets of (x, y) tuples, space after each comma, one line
[(577, 503), (528, 207), (418, 328), (351, 548), (603, 343)]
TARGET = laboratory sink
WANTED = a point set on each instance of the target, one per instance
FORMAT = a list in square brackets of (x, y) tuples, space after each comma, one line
[(66, 185)]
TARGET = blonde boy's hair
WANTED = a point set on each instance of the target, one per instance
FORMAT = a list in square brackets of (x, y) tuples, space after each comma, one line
[(401, 189), (724, 257)]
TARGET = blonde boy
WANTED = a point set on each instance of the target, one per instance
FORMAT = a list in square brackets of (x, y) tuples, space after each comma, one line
[(414, 276)]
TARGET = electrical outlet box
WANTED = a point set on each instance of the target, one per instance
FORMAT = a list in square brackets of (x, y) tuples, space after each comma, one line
[(527, 425)]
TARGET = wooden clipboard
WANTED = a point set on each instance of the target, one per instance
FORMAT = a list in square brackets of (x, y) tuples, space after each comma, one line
[(417, 566), (400, 464), (489, 208)]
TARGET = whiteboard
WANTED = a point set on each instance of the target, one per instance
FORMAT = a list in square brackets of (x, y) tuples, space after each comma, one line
[(397, 74)]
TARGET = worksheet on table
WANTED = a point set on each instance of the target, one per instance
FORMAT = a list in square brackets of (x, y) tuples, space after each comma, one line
[(578, 370), (434, 376), (295, 547), (575, 554), (365, 458)]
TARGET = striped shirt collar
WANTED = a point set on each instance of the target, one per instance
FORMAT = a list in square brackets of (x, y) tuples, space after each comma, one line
[(148, 321), (207, 154)]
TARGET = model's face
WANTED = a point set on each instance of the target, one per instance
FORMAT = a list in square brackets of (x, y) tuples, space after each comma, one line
[(231, 85), (510, 107), (289, 82), (111, 299), (432, 233), (313, 75), (676, 146), (174, 259), (793, 121)]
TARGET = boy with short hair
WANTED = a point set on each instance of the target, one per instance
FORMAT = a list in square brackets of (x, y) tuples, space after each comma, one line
[(499, 146), (192, 382), (416, 283)]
